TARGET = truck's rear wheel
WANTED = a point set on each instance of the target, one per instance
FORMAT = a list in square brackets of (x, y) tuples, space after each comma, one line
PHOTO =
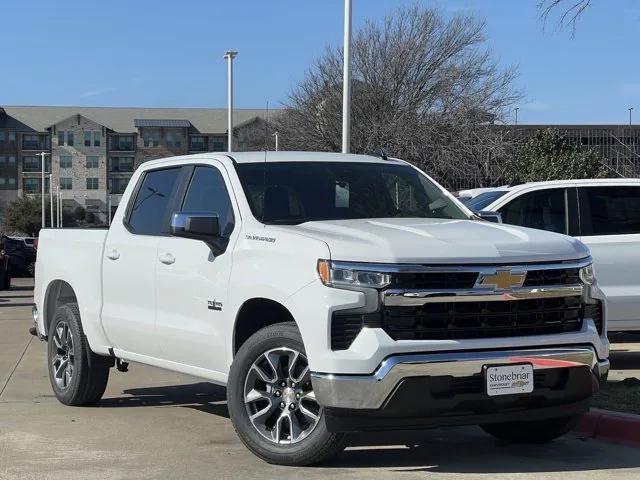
[(540, 431), (272, 403), (78, 376)]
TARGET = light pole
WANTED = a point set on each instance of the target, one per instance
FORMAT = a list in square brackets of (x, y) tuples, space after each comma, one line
[(517, 108), (346, 80), (59, 206), (51, 198), (276, 137), (630, 110), (229, 55), (42, 156)]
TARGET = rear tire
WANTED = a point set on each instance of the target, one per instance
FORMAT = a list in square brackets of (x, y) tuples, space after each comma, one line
[(78, 376), (293, 434), (541, 431), (31, 269)]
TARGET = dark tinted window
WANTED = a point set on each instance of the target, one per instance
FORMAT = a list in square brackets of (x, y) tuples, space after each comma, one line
[(610, 210), (479, 202), (298, 192), (543, 209), (207, 193), (149, 214)]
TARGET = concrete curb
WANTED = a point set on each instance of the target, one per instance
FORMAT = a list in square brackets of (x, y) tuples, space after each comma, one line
[(611, 426)]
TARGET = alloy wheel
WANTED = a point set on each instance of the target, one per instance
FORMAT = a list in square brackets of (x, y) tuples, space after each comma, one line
[(62, 363), (279, 397)]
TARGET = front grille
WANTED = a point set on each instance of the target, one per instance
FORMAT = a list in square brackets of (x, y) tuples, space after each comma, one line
[(464, 320), (434, 280), (561, 276), (594, 311)]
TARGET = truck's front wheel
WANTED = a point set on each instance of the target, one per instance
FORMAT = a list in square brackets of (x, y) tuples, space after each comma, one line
[(78, 376), (272, 403), (540, 431)]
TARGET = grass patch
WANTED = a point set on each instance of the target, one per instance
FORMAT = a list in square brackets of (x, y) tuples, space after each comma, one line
[(623, 396)]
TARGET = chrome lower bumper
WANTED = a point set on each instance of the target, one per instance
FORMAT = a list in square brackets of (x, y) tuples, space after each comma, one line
[(370, 391)]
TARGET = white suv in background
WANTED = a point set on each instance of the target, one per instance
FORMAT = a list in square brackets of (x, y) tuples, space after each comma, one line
[(604, 214)]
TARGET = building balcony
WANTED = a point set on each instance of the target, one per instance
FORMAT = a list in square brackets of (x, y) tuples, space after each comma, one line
[(35, 146)]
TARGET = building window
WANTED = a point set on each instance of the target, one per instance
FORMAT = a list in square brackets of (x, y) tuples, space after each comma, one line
[(65, 161), (3, 160), (12, 161), (12, 181), (30, 142), (3, 181), (218, 145), (34, 185), (12, 136), (97, 137), (92, 183), (117, 186), (168, 138), (60, 137), (31, 163), (121, 164), (3, 137), (66, 183), (70, 138), (93, 161), (121, 142), (197, 144), (87, 139)]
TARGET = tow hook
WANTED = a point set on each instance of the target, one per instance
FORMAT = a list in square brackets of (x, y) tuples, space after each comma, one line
[(122, 366)]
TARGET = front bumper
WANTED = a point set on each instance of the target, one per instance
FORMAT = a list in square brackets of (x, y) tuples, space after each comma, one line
[(371, 392)]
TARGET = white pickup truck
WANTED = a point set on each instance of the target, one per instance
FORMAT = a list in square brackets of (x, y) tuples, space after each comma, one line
[(330, 293)]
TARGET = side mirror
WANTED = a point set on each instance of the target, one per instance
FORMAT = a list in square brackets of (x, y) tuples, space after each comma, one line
[(489, 216), (199, 226)]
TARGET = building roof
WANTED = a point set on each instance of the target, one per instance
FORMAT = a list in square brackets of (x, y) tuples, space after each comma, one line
[(122, 119), (147, 122)]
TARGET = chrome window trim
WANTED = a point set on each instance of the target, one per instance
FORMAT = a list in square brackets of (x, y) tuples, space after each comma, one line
[(413, 298), (482, 268)]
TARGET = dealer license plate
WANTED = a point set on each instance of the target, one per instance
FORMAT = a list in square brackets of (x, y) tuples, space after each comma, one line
[(509, 379)]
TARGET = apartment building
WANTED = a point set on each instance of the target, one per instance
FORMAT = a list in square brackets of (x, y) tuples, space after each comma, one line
[(93, 151)]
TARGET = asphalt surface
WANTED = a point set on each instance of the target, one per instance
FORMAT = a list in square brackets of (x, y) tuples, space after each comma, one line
[(153, 424)]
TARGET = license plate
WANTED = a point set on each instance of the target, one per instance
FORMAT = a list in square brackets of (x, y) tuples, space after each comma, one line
[(509, 379)]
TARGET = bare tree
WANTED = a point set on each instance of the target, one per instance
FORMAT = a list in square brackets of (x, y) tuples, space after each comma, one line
[(424, 88), (570, 11)]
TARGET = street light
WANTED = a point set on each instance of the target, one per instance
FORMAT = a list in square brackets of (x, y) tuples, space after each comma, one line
[(42, 156), (346, 80), (229, 55), (630, 110), (276, 137), (517, 108), (51, 198)]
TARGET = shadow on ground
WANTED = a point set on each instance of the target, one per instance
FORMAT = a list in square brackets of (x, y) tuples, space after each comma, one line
[(445, 450)]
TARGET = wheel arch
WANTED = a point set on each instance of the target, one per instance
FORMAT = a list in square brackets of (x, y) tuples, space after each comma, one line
[(59, 292), (255, 314)]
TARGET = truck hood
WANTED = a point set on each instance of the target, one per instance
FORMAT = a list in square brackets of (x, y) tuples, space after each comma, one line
[(422, 240)]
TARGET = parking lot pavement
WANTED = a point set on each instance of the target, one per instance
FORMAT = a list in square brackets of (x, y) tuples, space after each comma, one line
[(156, 424)]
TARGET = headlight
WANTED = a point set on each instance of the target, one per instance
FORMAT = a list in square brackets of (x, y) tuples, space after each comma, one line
[(587, 275), (346, 275)]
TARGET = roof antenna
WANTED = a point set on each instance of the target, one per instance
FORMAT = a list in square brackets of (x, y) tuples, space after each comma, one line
[(264, 167)]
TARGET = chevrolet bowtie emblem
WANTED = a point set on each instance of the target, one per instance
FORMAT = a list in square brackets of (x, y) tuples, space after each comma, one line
[(501, 280)]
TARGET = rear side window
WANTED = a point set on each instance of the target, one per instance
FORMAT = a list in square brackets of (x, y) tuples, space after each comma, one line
[(609, 210), (149, 213), (207, 193), (542, 209)]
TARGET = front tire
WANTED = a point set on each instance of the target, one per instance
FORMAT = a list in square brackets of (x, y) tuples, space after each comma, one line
[(271, 400), (78, 376), (540, 431)]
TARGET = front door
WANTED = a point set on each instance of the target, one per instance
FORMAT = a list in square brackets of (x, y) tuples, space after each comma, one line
[(192, 281), (610, 227)]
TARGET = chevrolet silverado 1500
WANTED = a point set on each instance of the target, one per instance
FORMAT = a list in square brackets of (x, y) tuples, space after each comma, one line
[(329, 293)]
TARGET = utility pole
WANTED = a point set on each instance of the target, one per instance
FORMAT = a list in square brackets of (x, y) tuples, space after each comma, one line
[(517, 108), (346, 80), (43, 156), (276, 137), (229, 56), (630, 110)]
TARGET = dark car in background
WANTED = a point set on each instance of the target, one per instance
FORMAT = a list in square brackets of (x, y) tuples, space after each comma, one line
[(22, 255)]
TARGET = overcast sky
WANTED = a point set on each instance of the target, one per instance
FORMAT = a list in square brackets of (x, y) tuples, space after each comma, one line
[(169, 53)]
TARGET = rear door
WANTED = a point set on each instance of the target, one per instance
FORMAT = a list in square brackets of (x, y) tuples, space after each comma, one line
[(192, 281), (610, 227), (129, 267)]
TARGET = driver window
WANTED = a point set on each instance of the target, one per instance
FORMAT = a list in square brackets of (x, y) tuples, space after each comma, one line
[(543, 209)]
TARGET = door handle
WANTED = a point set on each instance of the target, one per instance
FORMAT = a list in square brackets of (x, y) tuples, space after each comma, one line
[(113, 255), (167, 258)]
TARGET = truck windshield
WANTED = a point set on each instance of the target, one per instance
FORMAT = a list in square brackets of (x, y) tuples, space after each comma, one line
[(290, 193)]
